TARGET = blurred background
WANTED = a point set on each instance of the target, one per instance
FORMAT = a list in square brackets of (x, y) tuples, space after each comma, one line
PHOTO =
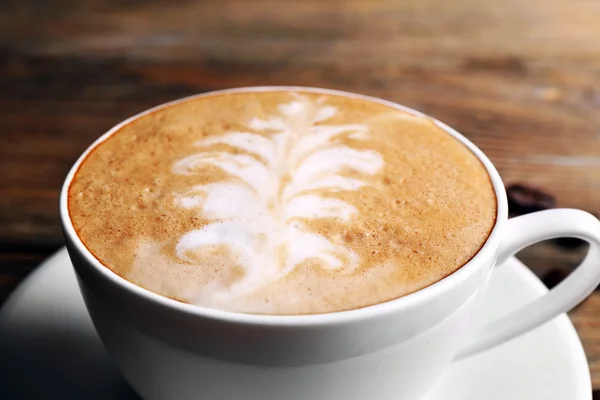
[(521, 79)]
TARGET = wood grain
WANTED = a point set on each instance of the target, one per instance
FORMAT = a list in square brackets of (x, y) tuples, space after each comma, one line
[(520, 79)]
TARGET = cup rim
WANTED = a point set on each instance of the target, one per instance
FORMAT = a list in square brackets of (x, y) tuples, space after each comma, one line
[(489, 248)]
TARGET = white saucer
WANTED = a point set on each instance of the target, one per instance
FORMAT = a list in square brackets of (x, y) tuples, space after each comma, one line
[(49, 349)]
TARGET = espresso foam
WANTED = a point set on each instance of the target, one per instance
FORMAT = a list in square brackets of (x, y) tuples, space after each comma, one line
[(282, 202)]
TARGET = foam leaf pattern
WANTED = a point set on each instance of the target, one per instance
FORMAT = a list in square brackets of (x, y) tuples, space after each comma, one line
[(281, 171)]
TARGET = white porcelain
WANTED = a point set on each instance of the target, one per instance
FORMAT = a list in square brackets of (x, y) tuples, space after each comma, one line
[(50, 349), (393, 350)]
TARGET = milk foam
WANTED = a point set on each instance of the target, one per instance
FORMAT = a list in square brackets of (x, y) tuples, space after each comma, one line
[(279, 176), (282, 202)]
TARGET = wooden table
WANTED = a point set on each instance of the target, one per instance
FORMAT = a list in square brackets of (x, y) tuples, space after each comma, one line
[(519, 78)]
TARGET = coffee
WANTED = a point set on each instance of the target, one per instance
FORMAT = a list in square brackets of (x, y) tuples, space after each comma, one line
[(282, 201)]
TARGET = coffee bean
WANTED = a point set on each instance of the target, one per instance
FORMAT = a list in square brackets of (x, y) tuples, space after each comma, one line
[(554, 277), (569, 243), (524, 198)]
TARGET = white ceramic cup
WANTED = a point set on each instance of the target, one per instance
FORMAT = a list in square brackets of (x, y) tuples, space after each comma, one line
[(394, 350)]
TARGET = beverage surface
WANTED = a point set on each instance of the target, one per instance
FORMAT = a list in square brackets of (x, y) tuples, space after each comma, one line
[(282, 202)]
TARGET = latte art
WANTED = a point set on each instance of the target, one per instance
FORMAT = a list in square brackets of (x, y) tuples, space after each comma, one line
[(281, 173), (282, 202)]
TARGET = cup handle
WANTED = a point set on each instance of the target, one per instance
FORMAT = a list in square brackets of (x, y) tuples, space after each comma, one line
[(523, 231)]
